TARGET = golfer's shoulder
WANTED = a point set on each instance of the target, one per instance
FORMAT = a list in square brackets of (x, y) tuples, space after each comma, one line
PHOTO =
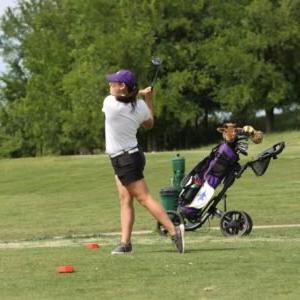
[(108, 100)]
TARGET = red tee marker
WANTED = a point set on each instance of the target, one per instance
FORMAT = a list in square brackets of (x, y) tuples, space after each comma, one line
[(65, 269), (92, 246)]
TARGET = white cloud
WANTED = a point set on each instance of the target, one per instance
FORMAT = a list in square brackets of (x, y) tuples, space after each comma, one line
[(4, 4)]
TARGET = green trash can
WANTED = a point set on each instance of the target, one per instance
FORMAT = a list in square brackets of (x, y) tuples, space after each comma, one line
[(169, 198)]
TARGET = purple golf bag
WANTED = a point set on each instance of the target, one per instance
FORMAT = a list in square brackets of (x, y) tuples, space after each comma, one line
[(211, 170)]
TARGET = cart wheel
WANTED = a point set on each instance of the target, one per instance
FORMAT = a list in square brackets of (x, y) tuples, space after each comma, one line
[(250, 224), (175, 218), (234, 223), (190, 226)]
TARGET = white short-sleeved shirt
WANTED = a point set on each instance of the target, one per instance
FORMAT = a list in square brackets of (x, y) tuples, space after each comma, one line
[(122, 123)]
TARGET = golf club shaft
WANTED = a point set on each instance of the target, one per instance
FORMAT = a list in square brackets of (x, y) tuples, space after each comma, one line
[(157, 63), (154, 77)]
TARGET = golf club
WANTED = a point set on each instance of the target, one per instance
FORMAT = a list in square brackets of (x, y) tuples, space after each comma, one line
[(156, 61)]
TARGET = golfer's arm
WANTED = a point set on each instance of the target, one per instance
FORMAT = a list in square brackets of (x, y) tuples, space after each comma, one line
[(150, 122)]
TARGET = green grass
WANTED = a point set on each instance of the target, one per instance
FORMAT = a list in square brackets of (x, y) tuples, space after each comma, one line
[(50, 196), (41, 198), (261, 266)]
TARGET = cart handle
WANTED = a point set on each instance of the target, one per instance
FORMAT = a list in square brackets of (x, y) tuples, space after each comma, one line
[(271, 152)]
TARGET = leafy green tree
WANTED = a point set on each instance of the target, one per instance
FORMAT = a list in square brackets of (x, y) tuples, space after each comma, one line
[(32, 35), (253, 56), (236, 56), (184, 97)]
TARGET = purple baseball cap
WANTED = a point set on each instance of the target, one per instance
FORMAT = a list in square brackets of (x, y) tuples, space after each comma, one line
[(125, 76)]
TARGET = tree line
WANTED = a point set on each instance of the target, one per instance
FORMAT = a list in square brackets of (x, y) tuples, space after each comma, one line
[(220, 58)]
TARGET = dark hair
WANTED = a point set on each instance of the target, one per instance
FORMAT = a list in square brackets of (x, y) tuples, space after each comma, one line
[(131, 97)]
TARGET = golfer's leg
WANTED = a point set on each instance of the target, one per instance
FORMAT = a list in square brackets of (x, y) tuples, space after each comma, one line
[(140, 191), (127, 212)]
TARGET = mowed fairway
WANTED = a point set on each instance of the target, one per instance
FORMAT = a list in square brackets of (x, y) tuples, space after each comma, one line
[(42, 198)]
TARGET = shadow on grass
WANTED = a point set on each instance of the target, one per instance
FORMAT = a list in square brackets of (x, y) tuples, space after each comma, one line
[(193, 250), (211, 250)]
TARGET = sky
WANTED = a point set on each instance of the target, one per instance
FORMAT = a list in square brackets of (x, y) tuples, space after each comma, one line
[(3, 5)]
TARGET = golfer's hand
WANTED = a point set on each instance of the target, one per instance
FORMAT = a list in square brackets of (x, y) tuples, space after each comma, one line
[(147, 92)]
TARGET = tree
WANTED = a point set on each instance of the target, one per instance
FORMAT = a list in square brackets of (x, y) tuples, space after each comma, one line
[(254, 55), (236, 56)]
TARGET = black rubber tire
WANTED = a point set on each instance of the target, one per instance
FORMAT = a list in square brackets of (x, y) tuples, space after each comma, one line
[(250, 225), (176, 219), (234, 223)]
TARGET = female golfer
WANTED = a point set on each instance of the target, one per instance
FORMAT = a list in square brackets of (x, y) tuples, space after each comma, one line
[(124, 114)]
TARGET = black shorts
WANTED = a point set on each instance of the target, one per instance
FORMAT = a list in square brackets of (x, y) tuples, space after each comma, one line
[(129, 167)]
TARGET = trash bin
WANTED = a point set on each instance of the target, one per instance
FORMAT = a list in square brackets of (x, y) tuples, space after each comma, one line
[(169, 198)]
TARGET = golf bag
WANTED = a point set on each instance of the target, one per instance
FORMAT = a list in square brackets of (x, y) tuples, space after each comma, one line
[(199, 185)]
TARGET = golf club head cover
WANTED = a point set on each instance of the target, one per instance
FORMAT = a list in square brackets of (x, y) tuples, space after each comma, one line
[(256, 136)]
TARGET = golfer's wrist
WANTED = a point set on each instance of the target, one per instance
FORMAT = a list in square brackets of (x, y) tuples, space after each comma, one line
[(148, 98)]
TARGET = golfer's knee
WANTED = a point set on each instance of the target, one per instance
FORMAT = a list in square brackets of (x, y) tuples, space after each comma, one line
[(143, 199), (125, 199)]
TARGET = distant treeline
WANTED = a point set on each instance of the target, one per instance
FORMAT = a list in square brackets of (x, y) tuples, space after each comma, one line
[(221, 59)]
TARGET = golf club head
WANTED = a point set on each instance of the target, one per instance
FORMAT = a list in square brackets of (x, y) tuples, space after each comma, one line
[(156, 61)]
